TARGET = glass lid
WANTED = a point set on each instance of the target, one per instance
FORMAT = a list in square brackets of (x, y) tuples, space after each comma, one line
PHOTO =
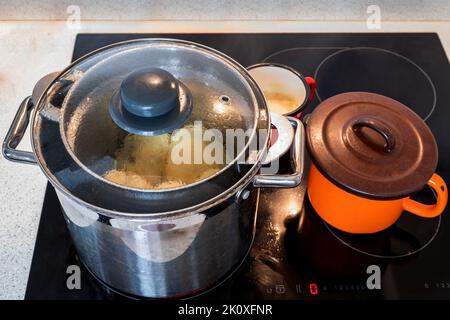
[(158, 114)]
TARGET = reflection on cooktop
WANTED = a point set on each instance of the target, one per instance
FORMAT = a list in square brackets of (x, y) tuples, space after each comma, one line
[(380, 71), (409, 235), (369, 69)]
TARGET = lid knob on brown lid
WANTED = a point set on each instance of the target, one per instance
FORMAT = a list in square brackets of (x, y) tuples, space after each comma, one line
[(378, 127), (371, 145), (151, 101)]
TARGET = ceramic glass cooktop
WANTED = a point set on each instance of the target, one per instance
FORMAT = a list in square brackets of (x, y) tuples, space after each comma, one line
[(295, 254)]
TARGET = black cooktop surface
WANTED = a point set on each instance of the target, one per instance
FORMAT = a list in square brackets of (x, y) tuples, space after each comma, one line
[(295, 254)]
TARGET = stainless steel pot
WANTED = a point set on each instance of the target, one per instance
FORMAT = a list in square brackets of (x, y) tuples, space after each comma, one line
[(149, 243)]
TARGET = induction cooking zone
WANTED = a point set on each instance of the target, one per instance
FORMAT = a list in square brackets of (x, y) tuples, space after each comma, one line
[(295, 254)]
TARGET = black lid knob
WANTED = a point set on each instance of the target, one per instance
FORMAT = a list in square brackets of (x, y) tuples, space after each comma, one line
[(149, 92), (151, 101)]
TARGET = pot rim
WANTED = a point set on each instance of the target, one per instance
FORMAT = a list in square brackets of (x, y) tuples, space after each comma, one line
[(346, 189), (174, 213), (160, 216), (302, 106)]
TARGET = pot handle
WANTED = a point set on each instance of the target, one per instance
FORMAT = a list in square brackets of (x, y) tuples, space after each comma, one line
[(16, 133), (312, 87), (426, 210), (297, 159)]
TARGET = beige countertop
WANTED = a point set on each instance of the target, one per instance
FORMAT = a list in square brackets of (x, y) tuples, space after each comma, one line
[(29, 50)]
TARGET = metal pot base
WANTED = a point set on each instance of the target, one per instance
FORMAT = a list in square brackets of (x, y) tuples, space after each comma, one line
[(190, 295)]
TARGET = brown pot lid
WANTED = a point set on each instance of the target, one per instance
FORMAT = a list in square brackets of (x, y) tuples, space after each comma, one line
[(371, 145)]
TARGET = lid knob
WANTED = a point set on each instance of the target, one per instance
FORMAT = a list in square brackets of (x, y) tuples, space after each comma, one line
[(151, 101), (378, 127), (149, 92)]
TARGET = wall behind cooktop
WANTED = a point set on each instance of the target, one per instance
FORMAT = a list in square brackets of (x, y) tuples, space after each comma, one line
[(135, 10)]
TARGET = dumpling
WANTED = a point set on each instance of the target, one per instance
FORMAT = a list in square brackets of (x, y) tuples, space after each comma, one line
[(144, 156), (188, 172), (127, 178), (161, 162)]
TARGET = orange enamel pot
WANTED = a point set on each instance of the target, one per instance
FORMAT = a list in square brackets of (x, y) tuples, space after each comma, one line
[(369, 154), (355, 214)]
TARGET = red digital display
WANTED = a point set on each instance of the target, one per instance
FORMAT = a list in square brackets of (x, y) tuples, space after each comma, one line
[(313, 290)]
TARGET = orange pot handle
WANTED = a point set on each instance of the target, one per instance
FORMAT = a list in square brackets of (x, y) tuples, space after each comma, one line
[(426, 210)]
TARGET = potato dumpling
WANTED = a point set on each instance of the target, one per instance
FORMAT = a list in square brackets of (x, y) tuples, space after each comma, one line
[(127, 178), (152, 163), (144, 156), (188, 172)]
